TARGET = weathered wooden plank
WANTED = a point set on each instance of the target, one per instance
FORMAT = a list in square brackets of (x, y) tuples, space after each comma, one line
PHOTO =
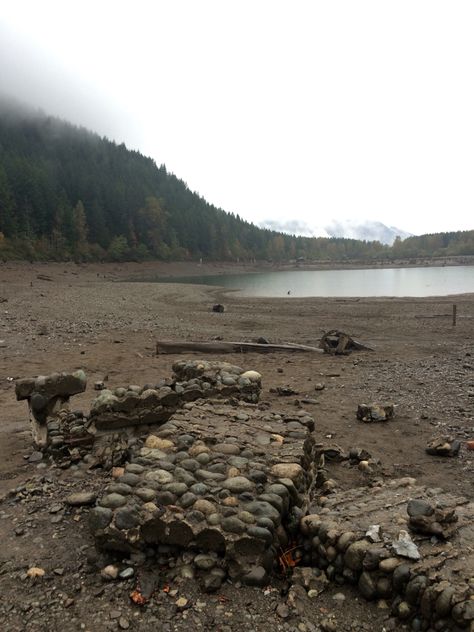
[(163, 347)]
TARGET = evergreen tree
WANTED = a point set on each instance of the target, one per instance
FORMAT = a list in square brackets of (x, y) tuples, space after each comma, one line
[(65, 192), (79, 231)]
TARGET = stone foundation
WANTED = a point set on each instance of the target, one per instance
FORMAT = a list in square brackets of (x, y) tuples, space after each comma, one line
[(155, 404), (220, 487), (366, 537), (222, 480), (56, 430)]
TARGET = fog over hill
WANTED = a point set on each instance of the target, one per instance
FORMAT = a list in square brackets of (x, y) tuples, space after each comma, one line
[(67, 193), (367, 230)]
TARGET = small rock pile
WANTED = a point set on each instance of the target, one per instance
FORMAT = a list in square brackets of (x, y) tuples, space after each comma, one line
[(68, 434), (429, 518), (375, 412), (443, 446)]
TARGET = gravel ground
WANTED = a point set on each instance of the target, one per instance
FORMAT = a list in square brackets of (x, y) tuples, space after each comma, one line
[(93, 317)]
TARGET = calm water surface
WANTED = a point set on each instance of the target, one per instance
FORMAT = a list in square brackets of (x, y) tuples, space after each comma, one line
[(439, 281)]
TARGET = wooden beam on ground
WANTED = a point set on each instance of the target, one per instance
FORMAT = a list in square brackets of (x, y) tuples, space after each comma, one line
[(442, 315), (163, 347)]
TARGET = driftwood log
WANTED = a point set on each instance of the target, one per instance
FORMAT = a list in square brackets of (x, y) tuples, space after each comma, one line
[(163, 347), (440, 316)]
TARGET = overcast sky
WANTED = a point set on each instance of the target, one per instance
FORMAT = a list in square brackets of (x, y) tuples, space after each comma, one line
[(309, 110)]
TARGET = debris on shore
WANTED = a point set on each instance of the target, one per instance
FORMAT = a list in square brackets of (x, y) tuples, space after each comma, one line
[(337, 342)]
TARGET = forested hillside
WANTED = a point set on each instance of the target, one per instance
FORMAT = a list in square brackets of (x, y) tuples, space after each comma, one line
[(66, 193)]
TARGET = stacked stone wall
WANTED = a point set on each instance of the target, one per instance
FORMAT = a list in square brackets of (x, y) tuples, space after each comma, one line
[(223, 481), (207, 480), (365, 537)]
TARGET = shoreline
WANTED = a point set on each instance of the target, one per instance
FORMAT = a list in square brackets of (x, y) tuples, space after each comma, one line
[(208, 268), (56, 274)]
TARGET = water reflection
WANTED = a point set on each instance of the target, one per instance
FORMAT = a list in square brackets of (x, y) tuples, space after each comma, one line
[(436, 281)]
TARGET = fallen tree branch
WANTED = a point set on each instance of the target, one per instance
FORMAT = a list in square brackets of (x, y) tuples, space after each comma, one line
[(163, 347)]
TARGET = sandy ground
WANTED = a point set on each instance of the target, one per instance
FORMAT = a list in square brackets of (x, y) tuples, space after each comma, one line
[(93, 317)]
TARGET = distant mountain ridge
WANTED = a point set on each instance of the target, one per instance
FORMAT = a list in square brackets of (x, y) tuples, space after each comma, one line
[(367, 230)]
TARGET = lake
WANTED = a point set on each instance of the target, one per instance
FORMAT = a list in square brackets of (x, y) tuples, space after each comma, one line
[(414, 282)]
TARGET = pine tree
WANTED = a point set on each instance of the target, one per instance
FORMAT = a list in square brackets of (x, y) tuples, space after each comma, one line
[(79, 232)]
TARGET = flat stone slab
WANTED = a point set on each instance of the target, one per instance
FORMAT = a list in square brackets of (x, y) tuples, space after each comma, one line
[(49, 386), (48, 396), (231, 480)]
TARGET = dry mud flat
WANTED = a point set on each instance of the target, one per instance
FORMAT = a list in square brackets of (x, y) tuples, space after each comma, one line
[(91, 318)]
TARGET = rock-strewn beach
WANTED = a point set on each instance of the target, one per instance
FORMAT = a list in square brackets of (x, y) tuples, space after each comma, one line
[(66, 317)]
